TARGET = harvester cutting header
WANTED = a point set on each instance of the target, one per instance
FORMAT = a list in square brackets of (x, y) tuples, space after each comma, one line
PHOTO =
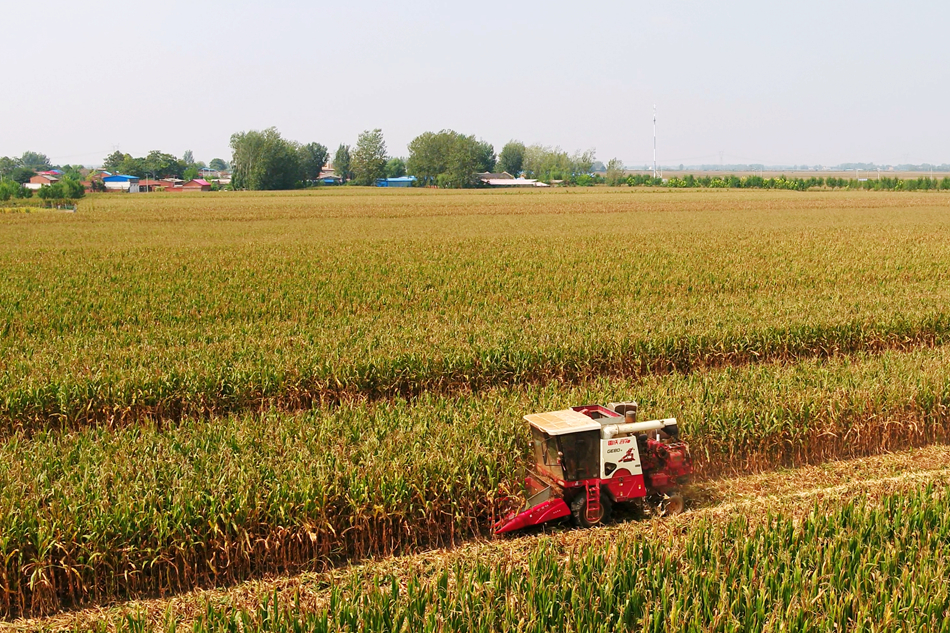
[(589, 457)]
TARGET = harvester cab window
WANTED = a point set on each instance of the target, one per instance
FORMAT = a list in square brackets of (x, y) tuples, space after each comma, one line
[(546, 452), (581, 455)]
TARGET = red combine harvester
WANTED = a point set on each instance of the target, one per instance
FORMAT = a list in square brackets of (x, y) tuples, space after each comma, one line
[(587, 458)]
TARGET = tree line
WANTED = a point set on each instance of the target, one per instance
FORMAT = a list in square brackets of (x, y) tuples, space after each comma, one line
[(447, 158), (264, 160), (157, 164), (782, 182), (17, 171)]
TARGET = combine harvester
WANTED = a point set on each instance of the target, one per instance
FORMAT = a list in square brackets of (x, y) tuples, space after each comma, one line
[(590, 457)]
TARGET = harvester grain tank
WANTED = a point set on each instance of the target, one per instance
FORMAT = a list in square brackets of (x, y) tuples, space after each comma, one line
[(587, 458)]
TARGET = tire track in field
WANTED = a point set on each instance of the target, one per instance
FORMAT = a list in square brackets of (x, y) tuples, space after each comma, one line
[(791, 492)]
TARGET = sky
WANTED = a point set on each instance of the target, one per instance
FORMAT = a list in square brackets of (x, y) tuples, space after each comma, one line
[(740, 82)]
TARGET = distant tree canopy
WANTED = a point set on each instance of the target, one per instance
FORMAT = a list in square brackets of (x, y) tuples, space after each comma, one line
[(162, 165), (616, 174), (76, 172), (449, 159), (21, 174), (553, 163), (485, 157), (113, 160), (13, 189), (511, 158), (35, 161), (395, 168), (7, 165), (218, 164), (341, 162), (65, 189), (22, 168), (369, 157), (264, 160), (157, 164), (313, 156)]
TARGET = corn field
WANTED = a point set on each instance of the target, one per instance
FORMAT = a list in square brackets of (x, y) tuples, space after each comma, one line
[(113, 316), (877, 564), (197, 391), (147, 510)]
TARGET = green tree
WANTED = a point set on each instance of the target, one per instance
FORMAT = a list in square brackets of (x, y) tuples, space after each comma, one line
[(369, 157), (188, 158), (218, 164), (73, 188), (553, 163), (427, 156), (581, 162), (7, 165), (10, 189), (113, 160), (162, 165), (616, 173), (447, 158), (65, 189), (511, 158), (190, 173), (341, 162), (72, 171), (395, 168), (313, 156), (485, 157), (131, 166), (21, 174), (465, 159), (35, 161), (263, 160)]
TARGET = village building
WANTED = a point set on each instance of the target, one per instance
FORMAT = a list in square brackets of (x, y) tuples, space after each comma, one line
[(198, 184), (403, 181), (487, 175), (41, 180), (121, 182)]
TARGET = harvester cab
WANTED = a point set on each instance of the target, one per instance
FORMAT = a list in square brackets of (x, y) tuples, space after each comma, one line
[(587, 458)]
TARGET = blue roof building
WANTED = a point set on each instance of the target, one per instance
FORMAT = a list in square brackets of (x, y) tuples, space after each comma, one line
[(402, 181), (122, 182)]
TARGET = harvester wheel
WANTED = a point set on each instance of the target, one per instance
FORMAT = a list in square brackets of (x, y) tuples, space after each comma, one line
[(673, 504), (579, 510)]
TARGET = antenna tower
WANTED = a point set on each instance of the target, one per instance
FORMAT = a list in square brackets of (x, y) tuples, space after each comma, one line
[(654, 140)]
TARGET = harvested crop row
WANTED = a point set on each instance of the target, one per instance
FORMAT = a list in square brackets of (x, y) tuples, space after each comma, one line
[(791, 492), (94, 515), (877, 560), (115, 316)]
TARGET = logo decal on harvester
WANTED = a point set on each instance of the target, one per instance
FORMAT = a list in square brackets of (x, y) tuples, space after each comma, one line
[(631, 456)]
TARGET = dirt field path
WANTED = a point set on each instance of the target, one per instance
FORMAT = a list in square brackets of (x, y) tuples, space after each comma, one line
[(792, 491)]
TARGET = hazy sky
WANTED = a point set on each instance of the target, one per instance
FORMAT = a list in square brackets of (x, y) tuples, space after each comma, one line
[(777, 83)]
